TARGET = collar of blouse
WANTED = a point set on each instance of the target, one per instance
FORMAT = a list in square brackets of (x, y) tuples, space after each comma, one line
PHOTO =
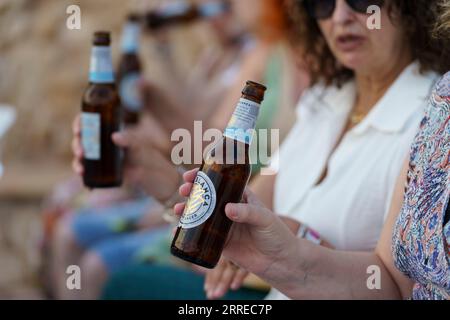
[(393, 110)]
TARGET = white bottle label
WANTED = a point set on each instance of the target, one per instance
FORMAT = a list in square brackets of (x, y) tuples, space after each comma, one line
[(243, 121), (130, 38), (90, 135), (101, 69), (129, 92), (201, 203)]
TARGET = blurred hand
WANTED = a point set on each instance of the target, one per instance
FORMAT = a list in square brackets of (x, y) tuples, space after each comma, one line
[(224, 276), (167, 106), (148, 146), (149, 131), (77, 148), (147, 163), (258, 240)]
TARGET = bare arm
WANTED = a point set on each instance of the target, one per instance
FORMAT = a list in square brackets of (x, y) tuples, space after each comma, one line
[(262, 244), (325, 273), (263, 186)]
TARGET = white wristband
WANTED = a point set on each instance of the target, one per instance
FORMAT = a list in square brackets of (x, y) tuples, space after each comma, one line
[(306, 233)]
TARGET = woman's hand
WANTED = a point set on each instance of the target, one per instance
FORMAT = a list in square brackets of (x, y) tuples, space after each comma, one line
[(262, 244), (224, 276), (259, 241)]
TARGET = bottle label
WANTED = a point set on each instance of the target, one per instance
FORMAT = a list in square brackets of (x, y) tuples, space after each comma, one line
[(130, 38), (243, 121), (129, 92), (101, 70), (201, 203), (90, 135)]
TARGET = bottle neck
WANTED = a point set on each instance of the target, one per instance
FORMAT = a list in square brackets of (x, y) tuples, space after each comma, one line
[(174, 9), (212, 9), (101, 69), (130, 38), (242, 124)]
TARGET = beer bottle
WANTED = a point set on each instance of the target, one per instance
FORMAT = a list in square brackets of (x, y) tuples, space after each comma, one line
[(183, 13), (204, 227), (100, 117), (129, 71)]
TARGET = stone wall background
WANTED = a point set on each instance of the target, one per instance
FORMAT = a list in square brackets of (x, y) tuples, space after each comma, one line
[(43, 72)]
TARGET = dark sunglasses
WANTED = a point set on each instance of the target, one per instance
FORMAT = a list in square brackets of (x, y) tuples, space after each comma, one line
[(323, 9)]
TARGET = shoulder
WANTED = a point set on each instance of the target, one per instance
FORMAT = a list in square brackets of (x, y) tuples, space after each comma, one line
[(312, 93), (434, 126), (442, 88), (439, 104)]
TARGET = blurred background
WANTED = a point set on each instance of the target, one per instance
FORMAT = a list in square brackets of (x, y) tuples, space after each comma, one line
[(43, 72)]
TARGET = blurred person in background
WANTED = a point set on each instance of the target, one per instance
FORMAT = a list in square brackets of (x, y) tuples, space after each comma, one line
[(216, 68), (270, 60), (211, 81), (338, 166), (110, 213), (267, 59)]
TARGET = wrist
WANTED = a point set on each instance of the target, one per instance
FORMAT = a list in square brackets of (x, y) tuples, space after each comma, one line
[(294, 268), (171, 197), (290, 272), (285, 267), (305, 232)]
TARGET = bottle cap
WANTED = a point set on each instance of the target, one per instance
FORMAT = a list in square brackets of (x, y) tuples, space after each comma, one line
[(102, 38), (255, 90)]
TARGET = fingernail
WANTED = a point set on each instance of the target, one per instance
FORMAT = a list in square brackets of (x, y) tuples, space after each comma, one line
[(232, 211), (218, 291), (234, 286), (116, 135)]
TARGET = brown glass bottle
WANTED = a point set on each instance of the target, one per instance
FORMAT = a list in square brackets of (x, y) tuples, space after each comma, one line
[(100, 118), (129, 72), (183, 13), (204, 227)]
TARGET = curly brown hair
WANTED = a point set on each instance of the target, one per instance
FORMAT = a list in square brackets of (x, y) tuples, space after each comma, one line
[(443, 25), (418, 18)]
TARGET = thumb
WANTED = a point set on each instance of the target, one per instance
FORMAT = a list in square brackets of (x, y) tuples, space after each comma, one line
[(251, 214), (125, 138), (144, 84)]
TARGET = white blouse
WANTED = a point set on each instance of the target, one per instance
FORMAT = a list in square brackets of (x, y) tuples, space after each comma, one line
[(349, 206)]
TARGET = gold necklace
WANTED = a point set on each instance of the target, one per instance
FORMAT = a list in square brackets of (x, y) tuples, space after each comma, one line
[(356, 117)]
